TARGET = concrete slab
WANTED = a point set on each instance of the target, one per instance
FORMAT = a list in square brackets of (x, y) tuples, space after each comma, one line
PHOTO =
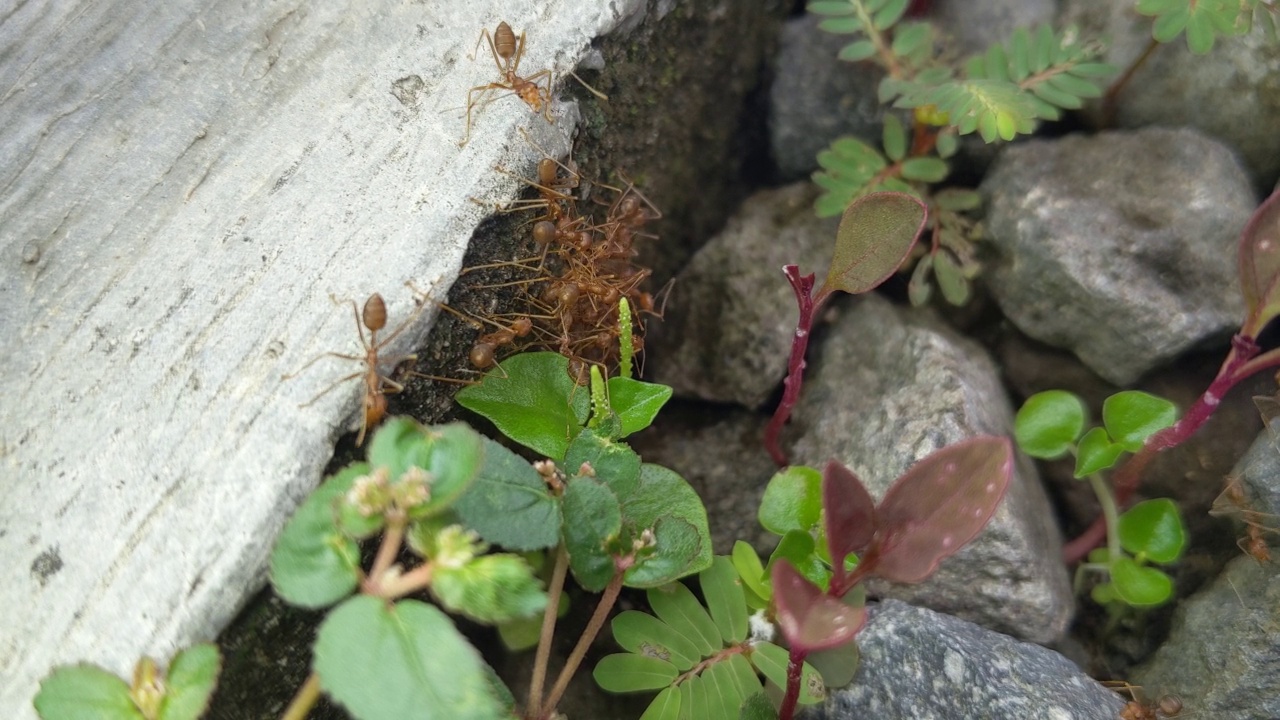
[(184, 186)]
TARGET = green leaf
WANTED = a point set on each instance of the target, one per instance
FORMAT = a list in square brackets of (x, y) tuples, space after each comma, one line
[(314, 563), (894, 138), (388, 662), (750, 569), (837, 665), (627, 672), (644, 634), (1169, 25), (666, 706), (910, 38), (948, 144), (889, 14), (1132, 416), (509, 504), (665, 502), (830, 7), (876, 233), (84, 692), (951, 280), (798, 548), (792, 500), (772, 660), (957, 200), (1096, 453), (757, 707), (612, 463), (191, 679), (592, 521), (925, 169), (1048, 423), (854, 51), (919, 290), (532, 400), (636, 402), (1139, 586), (489, 589), (1069, 83), (1153, 528), (723, 694), (744, 676), (722, 591), (676, 606), (454, 456)]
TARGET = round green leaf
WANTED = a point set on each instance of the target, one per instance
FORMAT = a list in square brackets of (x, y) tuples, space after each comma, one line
[(1138, 585), (191, 679), (613, 463), (627, 672), (1133, 416), (532, 400), (799, 549), (84, 692), (1096, 453), (666, 503), (592, 520), (1048, 423), (792, 500), (1154, 528), (315, 563), (509, 503), (404, 660)]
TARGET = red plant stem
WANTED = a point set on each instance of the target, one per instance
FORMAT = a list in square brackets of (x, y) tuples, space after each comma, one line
[(795, 670), (607, 600), (1112, 96), (554, 590), (1236, 367), (803, 287)]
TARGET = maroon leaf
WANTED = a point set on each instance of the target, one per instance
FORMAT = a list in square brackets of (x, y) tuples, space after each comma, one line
[(1259, 260), (939, 505), (876, 233), (809, 619), (850, 515)]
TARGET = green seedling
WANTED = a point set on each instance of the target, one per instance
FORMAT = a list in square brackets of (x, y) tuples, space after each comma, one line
[(80, 692), (1051, 425)]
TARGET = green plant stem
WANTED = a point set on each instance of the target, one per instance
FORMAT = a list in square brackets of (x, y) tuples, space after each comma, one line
[(877, 38), (554, 590), (607, 600), (304, 700), (1110, 512)]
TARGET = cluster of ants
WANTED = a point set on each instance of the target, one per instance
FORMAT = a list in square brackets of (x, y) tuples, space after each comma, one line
[(574, 289)]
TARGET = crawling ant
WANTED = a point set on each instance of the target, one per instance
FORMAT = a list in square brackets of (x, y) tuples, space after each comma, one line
[(1167, 706), (507, 50), (1253, 543), (376, 385)]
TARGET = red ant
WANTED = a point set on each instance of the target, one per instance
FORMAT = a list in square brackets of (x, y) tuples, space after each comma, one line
[(507, 50), (376, 385), (1253, 543), (1136, 709)]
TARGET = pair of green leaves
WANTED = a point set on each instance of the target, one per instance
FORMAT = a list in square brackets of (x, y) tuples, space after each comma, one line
[(1051, 424), (87, 692), (698, 656), (1152, 532)]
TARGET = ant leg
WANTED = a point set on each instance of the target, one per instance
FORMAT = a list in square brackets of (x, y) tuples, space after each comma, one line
[(317, 359), (332, 385)]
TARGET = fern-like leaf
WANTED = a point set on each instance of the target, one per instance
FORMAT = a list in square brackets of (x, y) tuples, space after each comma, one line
[(1202, 20), (1057, 70)]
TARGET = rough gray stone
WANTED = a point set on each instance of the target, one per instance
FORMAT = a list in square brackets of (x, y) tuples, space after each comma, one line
[(1119, 247), (1223, 653), (976, 25), (920, 665), (1259, 472), (816, 97), (732, 313), (887, 388), (1232, 93)]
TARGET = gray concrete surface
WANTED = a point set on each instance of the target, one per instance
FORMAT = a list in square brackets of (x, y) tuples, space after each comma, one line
[(182, 187)]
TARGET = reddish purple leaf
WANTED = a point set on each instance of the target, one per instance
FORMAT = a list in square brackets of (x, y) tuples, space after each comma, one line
[(875, 235), (939, 505), (1259, 260), (810, 619), (850, 515)]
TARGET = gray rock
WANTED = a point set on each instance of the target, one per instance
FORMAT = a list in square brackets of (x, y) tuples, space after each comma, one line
[(1223, 653), (728, 332), (977, 24), (1119, 247), (887, 388), (921, 665), (816, 97), (1259, 472), (1232, 93)]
